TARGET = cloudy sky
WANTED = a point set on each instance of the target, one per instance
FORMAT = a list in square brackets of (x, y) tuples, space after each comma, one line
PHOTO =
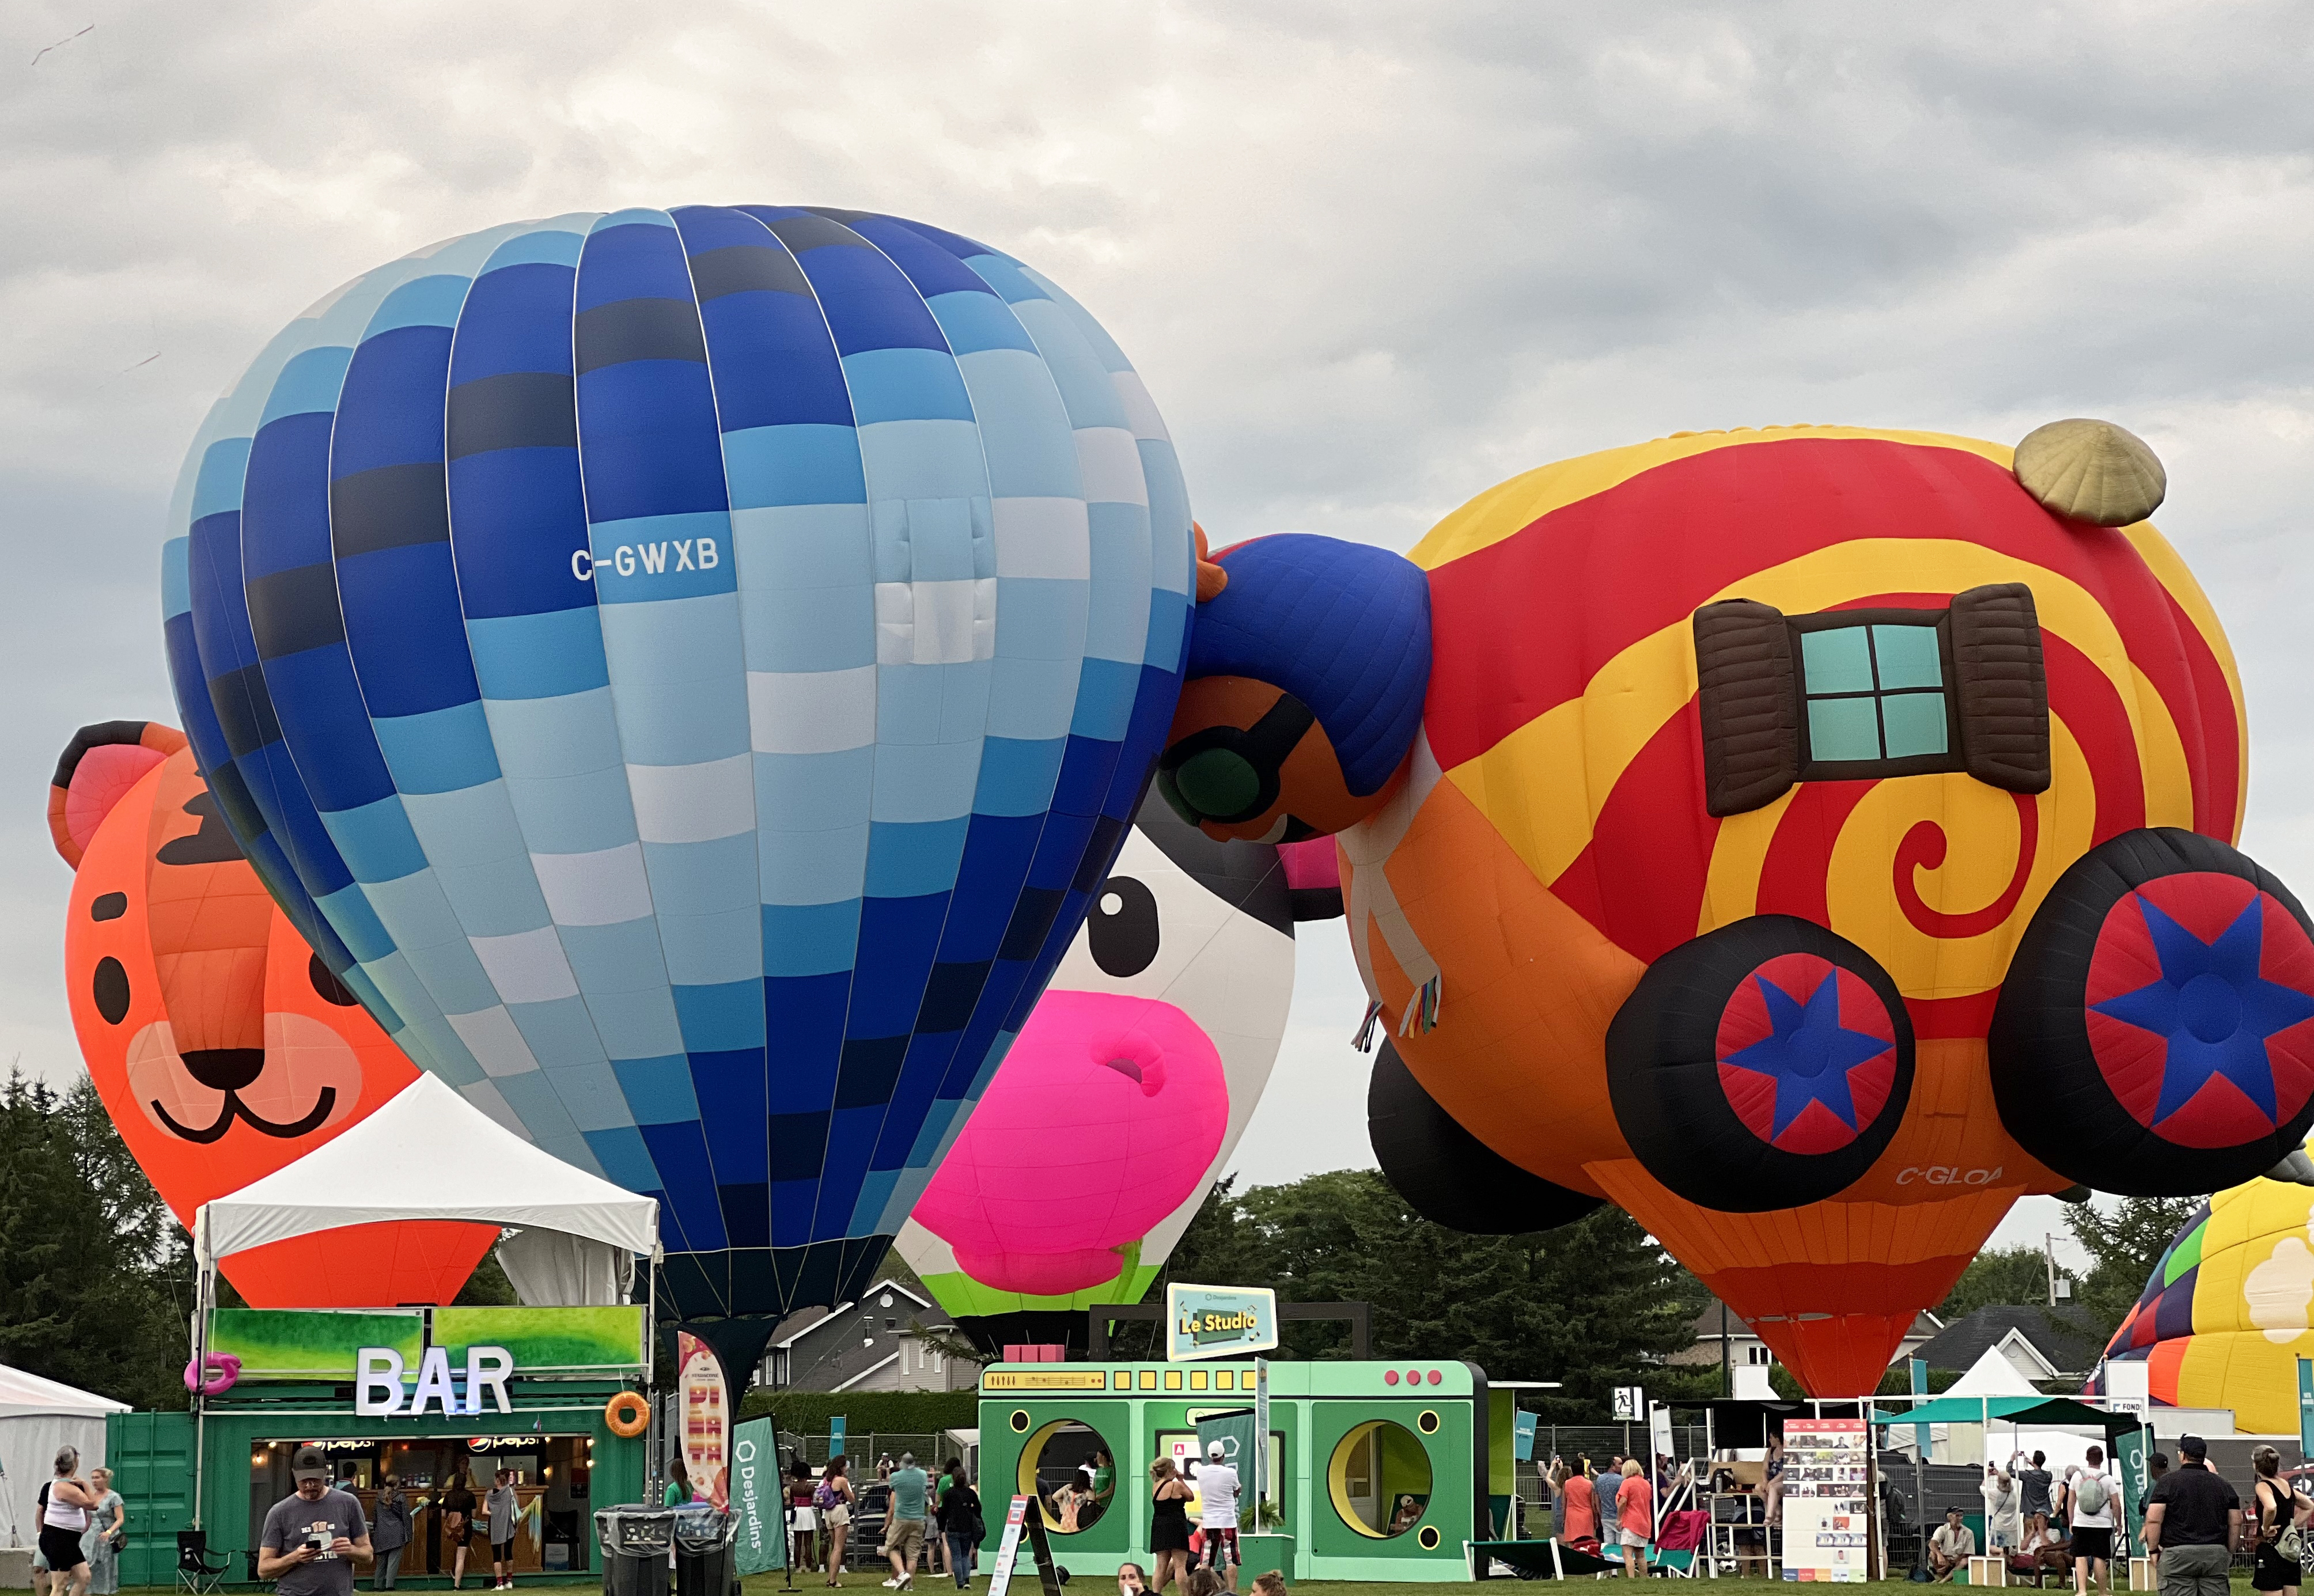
[(1370, 259)]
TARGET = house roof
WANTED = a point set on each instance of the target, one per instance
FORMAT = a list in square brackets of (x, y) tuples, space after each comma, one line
[(878, 1289), (1707, 1323), (2062, 1336)]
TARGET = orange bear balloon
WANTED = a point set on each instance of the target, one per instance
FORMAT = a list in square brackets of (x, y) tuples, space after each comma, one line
[(222, 1046)]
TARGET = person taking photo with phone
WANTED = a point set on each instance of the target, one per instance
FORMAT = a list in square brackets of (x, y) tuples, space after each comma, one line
[(314, 1538)]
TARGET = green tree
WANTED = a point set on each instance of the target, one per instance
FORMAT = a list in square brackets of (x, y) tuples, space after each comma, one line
[(2123, 1245), (95, 1277), (1593, 1305), (2018, 1274)]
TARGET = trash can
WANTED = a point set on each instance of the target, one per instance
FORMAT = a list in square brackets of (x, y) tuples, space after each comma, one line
[(635, 1539), (706, 1550)]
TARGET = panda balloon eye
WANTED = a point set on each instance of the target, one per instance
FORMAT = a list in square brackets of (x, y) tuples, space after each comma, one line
[(1123, 927)]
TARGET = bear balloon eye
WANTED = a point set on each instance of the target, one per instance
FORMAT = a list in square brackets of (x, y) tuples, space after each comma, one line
[(108, 905), (1123, 927), (110, 987), (332, 990)]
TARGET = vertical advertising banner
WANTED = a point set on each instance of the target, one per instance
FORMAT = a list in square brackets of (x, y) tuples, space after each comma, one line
[(2306, 1407), (757, 1498), (2132, 1456), (704, 1401), (1827, 1500)]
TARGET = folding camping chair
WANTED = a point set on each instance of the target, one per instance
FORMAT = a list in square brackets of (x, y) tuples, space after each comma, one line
[(1679, 1539), (196, 1571)]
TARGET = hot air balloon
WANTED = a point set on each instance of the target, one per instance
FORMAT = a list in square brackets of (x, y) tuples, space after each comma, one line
[(686, 671), (222, 1046), (1809, 840), (1126, 1094), (2223, 1321)]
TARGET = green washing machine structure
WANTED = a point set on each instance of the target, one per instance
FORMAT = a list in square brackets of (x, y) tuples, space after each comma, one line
[(1379, 1470)]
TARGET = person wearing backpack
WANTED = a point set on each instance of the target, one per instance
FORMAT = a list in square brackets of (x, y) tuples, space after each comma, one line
[(2282, 1508), (833, 1497), (2093, 1493)]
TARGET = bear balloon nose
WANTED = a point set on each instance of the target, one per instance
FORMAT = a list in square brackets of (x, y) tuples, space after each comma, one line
[(225, 1069)]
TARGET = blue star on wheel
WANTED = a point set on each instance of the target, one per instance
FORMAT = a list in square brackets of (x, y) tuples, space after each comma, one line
[(2212, 1007), (1809, 1052)]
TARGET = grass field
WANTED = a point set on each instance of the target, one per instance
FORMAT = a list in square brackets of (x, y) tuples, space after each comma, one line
[(870, 1583)]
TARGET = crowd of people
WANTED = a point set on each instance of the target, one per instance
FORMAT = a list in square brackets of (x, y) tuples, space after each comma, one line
[(938, 1522), (928, 1521), (2065, 1523), (1611, 1509)]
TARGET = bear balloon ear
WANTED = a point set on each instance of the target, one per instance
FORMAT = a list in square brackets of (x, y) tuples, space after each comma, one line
[(97, 769)]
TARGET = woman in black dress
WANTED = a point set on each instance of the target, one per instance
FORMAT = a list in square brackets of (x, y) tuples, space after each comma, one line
[(1168, 1526), (457, 1521)]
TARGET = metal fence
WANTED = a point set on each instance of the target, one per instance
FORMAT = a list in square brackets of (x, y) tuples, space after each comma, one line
[(1599, 1442), (864, 1446)]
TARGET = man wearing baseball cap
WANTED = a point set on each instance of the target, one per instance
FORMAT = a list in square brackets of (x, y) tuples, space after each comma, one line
[(314, 1540), (2192, 1523), (1217, 1493)]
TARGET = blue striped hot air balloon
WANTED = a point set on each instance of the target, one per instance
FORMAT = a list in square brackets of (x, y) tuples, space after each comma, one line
[(684, 670)]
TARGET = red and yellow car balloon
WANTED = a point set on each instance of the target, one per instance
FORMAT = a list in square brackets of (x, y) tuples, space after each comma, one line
[(1595, 956)]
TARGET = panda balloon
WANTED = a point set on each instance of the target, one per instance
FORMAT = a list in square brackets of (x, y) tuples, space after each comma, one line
[(1126, 1092)]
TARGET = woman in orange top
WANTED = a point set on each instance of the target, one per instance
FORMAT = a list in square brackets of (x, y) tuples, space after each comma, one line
[(1637, 1503), (1582, 1507)]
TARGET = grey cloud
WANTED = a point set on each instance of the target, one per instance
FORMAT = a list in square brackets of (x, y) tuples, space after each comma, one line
[(1371, 258)]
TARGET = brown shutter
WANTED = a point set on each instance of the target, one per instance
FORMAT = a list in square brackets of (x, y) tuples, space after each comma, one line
[(2001, 693), (1749, 705)]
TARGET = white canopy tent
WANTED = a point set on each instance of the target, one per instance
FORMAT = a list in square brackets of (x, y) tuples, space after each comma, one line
[(398, 1164), (37, 1416)]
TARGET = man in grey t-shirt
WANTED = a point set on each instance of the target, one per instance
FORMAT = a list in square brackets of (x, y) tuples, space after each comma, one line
[(312, 1540)]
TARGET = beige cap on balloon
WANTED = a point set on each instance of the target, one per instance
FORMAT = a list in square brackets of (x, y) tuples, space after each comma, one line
[(2092, 471)]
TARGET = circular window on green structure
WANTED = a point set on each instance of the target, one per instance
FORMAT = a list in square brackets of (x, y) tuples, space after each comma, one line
[(1069, 1468), (1380, 1479)]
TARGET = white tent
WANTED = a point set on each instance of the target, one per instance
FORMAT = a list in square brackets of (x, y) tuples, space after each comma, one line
[(425, 1142), (1992, 1375), (37, 1416), (419, 1156)]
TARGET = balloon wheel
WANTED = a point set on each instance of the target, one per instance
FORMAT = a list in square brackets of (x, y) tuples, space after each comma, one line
[(2164, 1022), (1764, 1065)]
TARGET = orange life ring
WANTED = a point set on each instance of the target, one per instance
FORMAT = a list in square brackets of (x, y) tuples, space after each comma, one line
[(627, 1414)]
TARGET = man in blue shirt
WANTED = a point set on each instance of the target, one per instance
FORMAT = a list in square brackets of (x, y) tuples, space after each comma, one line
[(1609, 1486), (904, 1526)]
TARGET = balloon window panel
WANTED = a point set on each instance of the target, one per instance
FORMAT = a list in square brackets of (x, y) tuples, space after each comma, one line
[(1861, 694)]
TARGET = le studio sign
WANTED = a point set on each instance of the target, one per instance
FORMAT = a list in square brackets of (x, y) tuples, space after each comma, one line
[(378, 1382)]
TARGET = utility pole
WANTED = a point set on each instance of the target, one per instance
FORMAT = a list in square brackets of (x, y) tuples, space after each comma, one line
[(2060, 1287), (1727, 1376)]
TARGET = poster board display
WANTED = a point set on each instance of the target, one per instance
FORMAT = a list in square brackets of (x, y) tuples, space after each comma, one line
[(1827, 1500)]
